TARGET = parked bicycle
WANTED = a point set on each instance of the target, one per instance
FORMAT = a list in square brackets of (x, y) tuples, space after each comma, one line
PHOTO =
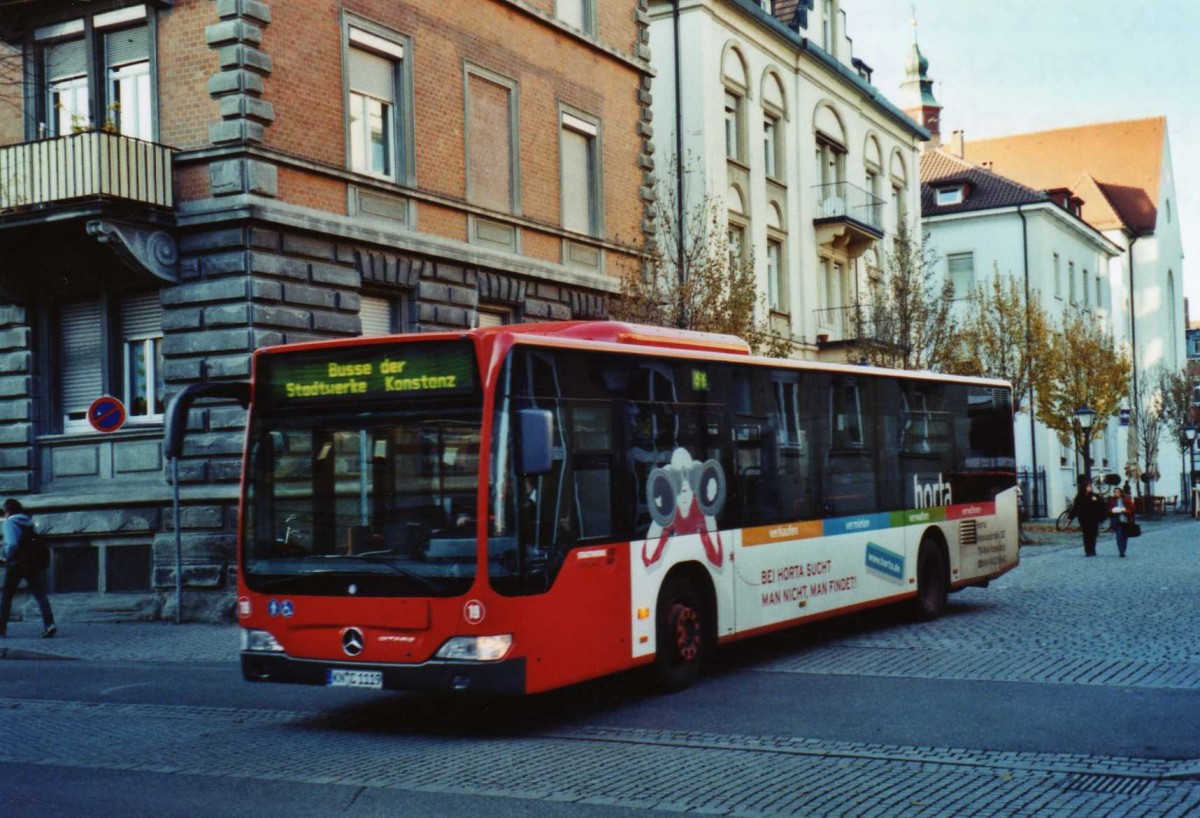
[(1066, 520), (1102, 486)]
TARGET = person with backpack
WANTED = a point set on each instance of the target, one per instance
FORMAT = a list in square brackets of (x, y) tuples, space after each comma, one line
[(25, 558)]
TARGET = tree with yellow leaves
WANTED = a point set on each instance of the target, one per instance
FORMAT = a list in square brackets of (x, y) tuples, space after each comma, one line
[(1082, 367), (906, 321), (1004, 336)]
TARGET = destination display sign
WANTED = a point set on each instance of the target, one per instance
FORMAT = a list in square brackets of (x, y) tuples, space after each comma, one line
[(386, 371)]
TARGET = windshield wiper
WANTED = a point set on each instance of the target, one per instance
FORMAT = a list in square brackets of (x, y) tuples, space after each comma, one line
[(370, 557)]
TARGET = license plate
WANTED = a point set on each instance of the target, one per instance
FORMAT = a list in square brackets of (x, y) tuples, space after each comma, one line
[(356, 678)]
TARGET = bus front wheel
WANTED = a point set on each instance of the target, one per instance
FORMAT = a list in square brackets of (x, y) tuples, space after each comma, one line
[(680, 635), (932, 581)]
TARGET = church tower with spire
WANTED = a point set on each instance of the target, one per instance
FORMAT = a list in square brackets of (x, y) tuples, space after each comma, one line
[(917, 98)]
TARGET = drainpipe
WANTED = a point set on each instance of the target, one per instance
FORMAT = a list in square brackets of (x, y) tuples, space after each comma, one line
[(1028, 339), (679, 226), (1135, 411)]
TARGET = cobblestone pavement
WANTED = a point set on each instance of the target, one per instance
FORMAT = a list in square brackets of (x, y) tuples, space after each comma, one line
[(1059, 619)]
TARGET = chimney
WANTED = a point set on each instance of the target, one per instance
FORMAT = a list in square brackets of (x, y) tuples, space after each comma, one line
[(956, 143)]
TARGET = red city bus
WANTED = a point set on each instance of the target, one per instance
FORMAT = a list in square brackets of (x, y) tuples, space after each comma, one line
[(519, 508)]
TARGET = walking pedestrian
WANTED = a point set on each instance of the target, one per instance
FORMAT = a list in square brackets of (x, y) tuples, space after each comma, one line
[(1090, 510), (1122, 519), (18, 529)]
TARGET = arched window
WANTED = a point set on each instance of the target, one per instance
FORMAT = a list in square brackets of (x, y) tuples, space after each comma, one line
[(777, 280), (774, 106), (899, 174), (737, 90), (831, 147), (872, 173)]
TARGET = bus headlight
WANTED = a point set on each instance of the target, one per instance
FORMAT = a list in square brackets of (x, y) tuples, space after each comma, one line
[(259, 641), (476, 648)]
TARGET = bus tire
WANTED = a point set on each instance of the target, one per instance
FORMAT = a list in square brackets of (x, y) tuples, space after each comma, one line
[(932, 581), (681, 634)]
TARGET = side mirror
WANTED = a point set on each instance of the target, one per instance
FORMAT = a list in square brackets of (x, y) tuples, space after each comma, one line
[(534, 449), (175, 427)]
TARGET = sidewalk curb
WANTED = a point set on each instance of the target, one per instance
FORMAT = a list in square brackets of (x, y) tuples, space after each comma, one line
[(20, 653)]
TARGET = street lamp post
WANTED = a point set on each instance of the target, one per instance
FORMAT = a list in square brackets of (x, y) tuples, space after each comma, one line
[(1085, 416), (1189, 432)]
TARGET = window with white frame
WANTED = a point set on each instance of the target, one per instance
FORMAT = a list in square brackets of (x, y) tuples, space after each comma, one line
[(85, 372), (899, 174), (961, 269), (947, 196), (733, 126), (1057, 273), (1071, 281), (831, 163), (737, 244), (1087, 290), (578, 14), (115, 94), (141, 339), (776, 286), (580, 174), (375, 68), (127, 62), (771, 146)]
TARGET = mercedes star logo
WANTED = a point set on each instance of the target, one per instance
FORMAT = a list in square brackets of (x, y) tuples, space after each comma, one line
[(352, 641)]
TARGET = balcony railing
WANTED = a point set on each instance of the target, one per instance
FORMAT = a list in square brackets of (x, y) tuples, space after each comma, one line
[(848, 324), (842, 200), (85, 165)]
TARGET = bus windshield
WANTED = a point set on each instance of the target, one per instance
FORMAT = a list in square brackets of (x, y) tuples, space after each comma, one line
[(363, 503)]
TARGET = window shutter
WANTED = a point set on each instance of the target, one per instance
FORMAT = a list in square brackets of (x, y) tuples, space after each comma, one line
[(372, 75), (127, 46), (491, 318), (141, 317), (80, 358), (577, 181), (65, 60), (376, 316)]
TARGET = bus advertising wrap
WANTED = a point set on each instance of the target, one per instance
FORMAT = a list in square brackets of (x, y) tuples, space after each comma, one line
[(375, 372)]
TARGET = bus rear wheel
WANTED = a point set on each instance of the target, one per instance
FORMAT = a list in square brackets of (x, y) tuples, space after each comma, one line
[(932, 581), (681, 639)]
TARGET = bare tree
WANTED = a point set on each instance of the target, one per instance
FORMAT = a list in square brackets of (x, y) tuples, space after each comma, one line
[(1177, 414), (1147, 420), (905, 322), (711, 287)]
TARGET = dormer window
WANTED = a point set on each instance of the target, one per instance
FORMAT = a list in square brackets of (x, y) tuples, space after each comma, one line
[(947, 196)]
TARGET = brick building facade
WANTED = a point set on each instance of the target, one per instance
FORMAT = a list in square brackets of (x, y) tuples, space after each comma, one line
[(184, 182)]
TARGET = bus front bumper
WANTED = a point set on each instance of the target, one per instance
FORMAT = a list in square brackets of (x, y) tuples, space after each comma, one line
[(505, 677)]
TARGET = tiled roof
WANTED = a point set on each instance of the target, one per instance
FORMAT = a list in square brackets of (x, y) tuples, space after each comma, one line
[(1124, 160), (784, 10), (986, 190)]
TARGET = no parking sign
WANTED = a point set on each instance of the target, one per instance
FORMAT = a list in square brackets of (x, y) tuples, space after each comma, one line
[(106, 414)]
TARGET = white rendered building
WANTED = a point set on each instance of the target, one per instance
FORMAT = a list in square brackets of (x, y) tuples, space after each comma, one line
[(982, 225), (1095, 209), (1121, 175), (775, 117)]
